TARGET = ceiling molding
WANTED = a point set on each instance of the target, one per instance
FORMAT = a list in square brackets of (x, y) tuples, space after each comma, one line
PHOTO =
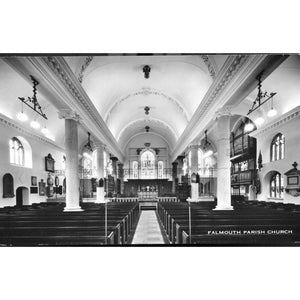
[(211, 65), (12, 124), (286, 118), (146, 91), (233, 83), (86, 63), (59, 66)]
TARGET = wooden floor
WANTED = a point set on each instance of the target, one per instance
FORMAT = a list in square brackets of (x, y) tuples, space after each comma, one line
[(148, 230)]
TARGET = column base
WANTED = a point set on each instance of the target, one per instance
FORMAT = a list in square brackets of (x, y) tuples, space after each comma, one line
[(206, 198), (71, 209), (224, 207)]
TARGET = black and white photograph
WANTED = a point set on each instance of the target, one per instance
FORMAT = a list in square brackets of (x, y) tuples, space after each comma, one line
[(192, 149), (149, 150)]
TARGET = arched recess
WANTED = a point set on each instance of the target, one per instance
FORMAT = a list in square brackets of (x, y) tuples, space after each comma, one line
[(123, 147), (266, 184), (8, 186), (27, 151), (22, 196)]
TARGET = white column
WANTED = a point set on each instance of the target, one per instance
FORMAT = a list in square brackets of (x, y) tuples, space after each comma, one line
[(115, 171), (71, 144), (223, 147), (100, 172), (179, 167), (121, 176), (174, 176), (194, 169)]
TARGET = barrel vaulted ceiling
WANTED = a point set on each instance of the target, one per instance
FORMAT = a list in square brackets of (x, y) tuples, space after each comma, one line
[(178, 92), (120, 92)]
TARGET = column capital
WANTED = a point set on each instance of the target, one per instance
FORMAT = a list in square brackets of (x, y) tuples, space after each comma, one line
[(180, 157), (174, 163), (68, 114), (98, 145), (194, 146), (224, 111), (114, 159)]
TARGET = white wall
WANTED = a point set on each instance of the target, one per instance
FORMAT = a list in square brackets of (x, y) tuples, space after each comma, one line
[(290, 130), (22, 175)]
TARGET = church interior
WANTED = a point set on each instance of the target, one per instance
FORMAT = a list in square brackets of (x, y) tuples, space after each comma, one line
[(150, 149)]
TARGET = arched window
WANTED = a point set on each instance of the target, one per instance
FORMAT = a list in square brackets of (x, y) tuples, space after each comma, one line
[(276, 186), (135, 168), (8, 186), (147, 165), (160, 169), (16, 150), (277, 147)]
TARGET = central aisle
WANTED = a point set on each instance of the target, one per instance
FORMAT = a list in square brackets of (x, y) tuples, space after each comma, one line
[(148, 230)]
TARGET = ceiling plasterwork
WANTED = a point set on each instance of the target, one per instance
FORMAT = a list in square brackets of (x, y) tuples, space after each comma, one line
[(86, 63), (146, 91), (212, 68)]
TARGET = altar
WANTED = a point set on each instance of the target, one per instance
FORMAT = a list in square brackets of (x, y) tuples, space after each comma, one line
[(147, 188), (147, 191), (147, 195)]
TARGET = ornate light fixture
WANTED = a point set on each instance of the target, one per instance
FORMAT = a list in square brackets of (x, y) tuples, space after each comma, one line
[(88, 145), (146, 109), (147, 128), (207, 146), (32, 102), (261, 99), (146, 70), (21, 116), (249, 126)]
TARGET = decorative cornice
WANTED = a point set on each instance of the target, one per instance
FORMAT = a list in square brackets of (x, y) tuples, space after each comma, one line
[(210, 66), (287, 117), (61, 70), (99, 145), (10, 123), (146, 91), (68, 114), (86, 63), (224, 111), (229, 69)]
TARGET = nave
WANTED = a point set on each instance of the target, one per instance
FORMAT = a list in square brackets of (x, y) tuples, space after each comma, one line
[(148, 230), (210, 142)]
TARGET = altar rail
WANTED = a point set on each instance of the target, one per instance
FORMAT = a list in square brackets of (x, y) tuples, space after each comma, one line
[(126, 199), (168, 199), (134, 199)]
